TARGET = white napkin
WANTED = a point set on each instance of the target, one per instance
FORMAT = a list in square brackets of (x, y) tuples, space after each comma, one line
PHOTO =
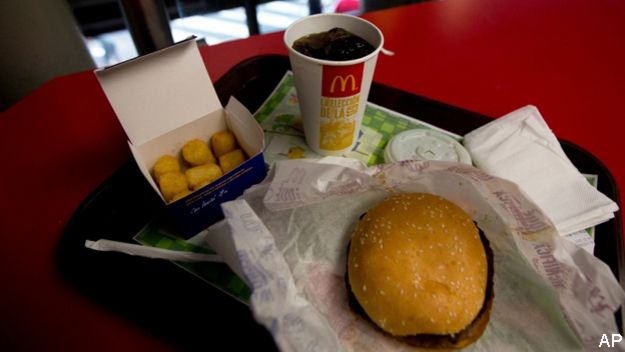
[(521, 148)]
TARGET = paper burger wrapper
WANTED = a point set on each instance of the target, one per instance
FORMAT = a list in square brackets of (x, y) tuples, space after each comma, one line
[(291, 233), (332, 94)]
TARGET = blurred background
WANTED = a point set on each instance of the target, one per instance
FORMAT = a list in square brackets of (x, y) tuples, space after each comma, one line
[(44, 39), (109, 41)]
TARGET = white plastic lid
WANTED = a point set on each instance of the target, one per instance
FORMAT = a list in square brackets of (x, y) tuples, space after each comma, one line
[(422, 144)]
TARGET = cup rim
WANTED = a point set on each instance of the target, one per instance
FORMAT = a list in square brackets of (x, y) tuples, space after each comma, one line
[(334, 62)]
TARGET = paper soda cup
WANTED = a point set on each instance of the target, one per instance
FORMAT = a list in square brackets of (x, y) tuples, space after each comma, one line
[(332, 94)]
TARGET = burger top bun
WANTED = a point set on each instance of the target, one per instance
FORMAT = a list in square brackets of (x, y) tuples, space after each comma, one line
[(416, 265)]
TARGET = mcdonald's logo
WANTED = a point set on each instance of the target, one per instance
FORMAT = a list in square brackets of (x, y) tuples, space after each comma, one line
[(341, 81)]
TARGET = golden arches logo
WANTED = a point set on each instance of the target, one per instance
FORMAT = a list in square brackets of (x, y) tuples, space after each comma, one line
[(343, 83)]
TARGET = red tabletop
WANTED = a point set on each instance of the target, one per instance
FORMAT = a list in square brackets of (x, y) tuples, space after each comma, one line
[(489, 56)]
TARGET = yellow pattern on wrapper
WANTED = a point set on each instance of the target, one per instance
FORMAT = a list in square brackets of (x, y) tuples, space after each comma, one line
[(336, 135)]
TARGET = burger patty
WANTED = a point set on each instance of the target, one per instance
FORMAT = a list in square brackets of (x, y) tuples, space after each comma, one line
[(458, 340)]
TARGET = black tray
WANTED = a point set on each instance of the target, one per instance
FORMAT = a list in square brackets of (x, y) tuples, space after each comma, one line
[(186, 311)]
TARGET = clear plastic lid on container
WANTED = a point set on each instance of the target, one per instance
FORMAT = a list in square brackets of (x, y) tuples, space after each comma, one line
[(422, 144)]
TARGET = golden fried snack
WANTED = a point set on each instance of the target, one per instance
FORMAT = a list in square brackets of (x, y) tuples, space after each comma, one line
[(296, 153), (223, 142), (171, 184), (199, 176), (196, 152), (202, 184), (231, 160), (165, 164), (181, 195)]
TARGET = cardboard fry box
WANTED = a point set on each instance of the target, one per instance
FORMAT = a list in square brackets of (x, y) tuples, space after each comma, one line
[(165, 99)]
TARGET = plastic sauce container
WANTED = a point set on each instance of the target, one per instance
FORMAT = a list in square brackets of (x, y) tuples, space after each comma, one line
[(422, 144)]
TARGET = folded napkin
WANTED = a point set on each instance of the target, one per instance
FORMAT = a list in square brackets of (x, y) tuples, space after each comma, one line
[(521, 148)]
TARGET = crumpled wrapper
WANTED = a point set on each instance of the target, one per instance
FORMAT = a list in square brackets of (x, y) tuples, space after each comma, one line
[(291, 232)]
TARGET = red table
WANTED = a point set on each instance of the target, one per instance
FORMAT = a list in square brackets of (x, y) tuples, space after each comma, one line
[(489, 56)]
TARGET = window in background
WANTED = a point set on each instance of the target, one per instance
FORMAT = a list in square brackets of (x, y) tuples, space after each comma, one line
[(109, 42)]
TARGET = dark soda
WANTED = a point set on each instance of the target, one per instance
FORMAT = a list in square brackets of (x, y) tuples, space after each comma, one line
[(337, 44)]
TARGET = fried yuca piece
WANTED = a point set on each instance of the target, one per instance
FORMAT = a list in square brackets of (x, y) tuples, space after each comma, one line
[(171, 184), (223, 142), (165, 164), (231, 160), (296, 153), (199, 176), (196, 152), (181, 194)]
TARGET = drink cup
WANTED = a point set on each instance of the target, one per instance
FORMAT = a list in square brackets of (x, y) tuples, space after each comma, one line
[(332, 94)]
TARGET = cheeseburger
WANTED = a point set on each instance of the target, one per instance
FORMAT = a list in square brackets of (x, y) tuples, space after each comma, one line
[(420, 270)]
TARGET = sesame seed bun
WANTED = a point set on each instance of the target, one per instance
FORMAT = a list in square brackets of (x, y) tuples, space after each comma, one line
[(419, 269)]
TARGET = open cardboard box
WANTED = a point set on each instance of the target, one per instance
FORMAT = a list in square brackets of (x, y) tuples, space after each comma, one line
[(165, 99)]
